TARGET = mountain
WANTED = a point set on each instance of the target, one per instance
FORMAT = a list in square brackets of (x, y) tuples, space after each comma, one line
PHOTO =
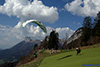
[(0, 49), (75, 35), (20, 49)]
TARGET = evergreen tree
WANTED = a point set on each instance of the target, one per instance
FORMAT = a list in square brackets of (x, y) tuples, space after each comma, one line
[(45, 42), (96, 29), (53, 40), (36, 47), (97, 19), (87, 23), (86, 30)]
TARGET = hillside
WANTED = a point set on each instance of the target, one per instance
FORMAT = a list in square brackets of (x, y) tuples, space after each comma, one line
[(20, 49), (68, 58), (30, 61)]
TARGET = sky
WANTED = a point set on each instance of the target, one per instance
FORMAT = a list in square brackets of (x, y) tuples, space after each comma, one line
[(64, 16)]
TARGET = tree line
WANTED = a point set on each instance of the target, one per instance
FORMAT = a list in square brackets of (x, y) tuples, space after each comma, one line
[(51, 41), (90, 33), (90, 29)]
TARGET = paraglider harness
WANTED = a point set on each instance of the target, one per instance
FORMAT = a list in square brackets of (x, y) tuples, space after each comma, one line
[(78, 51), (35, 54)]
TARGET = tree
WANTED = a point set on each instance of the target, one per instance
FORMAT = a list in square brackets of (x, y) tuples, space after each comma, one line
[(97, 17), (96, 28), (87, 23), (53, 40), (45, 42), (35, 47), (87, 28)]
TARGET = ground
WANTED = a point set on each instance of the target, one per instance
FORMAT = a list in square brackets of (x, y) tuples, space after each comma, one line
[(68, 58)]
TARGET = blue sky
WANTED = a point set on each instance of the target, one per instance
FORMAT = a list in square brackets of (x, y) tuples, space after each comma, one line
[(65, 16), (66, 19)]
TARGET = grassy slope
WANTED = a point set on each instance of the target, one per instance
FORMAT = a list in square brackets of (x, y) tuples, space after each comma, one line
[(36, 62), (89, 56)]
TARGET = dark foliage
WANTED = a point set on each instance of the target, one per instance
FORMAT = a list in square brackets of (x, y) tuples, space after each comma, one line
[(87, 28), (53, 40), (9, 64), (90, 33), (96, 28)]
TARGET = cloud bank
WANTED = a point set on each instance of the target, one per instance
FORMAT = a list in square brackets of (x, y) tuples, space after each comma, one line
[(84, 7), (26, 10), (9, 36)]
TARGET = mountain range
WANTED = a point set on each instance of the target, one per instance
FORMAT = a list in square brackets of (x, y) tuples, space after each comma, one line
[(0, 49), (20, 49)]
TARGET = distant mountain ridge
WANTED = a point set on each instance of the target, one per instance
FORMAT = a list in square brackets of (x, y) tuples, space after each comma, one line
[(0, 49), (20, 49), (75, 35)]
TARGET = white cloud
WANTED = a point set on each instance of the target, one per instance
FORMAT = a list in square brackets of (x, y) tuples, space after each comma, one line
[(9, 36), (26, 10), (62, 32), (23, 9), (84, 7), (62, 9)]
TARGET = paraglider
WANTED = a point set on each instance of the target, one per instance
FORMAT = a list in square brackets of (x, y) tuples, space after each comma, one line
[(40, 24)]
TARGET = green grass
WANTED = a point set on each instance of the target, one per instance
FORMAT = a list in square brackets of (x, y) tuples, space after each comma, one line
[(69, 59), (31, 64)]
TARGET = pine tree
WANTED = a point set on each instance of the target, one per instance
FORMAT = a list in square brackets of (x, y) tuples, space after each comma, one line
[(87, 28), (45, 42), (96, 29), (53, 40)]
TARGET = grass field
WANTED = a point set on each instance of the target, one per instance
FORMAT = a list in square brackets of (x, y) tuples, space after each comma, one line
[(69, 59)]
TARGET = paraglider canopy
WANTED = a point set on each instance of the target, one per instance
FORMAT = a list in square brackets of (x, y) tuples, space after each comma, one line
[(40, 24)]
